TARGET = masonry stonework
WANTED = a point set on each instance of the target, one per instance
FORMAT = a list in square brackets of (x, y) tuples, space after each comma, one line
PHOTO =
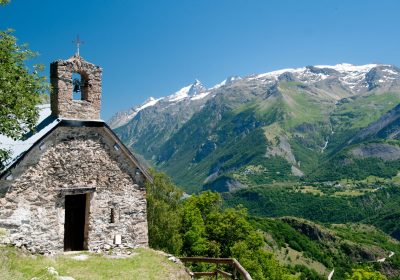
[(62, 103), (32, 210), (77, 186)]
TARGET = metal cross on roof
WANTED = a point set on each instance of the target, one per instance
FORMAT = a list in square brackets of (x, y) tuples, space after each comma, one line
[(78, 43)]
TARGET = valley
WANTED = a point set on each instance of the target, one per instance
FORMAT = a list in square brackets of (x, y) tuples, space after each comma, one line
[(318, 123), (312, 153)]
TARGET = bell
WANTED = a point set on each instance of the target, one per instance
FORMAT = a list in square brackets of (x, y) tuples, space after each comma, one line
[(77, 85)]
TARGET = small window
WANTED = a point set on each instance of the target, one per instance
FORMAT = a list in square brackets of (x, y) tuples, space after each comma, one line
[(112, 216), (76, 86)]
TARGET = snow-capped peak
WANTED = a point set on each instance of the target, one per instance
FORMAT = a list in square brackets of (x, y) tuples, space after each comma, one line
[(275, 74), (357, 78), (191, 90), (151, 101), (180, 94), (124, 117), (352, 76), (347, 67), (196, 88)]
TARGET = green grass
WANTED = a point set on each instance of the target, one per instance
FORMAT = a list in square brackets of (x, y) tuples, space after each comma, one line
[(366, 234), (291, 257), (359, 112), (300, 109), (143, 264)]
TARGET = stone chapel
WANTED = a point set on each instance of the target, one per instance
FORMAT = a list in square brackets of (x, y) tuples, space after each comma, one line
[(76, 187)]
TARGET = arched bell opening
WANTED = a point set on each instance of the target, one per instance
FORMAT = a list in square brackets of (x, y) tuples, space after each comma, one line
[(80, 86)]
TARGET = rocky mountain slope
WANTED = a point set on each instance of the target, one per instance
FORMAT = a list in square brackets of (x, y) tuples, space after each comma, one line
[(311, 123), (318, 250)]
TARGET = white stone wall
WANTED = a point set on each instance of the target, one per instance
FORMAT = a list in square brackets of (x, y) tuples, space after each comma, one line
[(32, 211)]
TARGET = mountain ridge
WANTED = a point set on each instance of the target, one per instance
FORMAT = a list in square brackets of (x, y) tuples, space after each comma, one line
[(322, 70), (290, 120)]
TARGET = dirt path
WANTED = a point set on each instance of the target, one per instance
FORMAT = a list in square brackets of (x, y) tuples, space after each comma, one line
[(331, 274)]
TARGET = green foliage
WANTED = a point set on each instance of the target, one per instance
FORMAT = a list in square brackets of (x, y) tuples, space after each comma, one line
[(365, 274), (215, 232), (198, 226), (260, 263), (306, 273), (395, 261), (20, 89), (336, 246), (163, 221), (232, 140), (228, 227), (282, 201), (271, 169), (194, 232), (342, 166), (211, 148), (285, 235), (289, 201), (344, 244)]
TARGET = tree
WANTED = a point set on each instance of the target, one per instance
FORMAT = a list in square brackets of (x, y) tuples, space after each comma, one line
[(193, 232), (365, 274), (209, 230), (163, 220), (20, 89)]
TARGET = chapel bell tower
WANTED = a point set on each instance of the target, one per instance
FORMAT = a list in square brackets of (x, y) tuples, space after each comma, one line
[(76, 89)]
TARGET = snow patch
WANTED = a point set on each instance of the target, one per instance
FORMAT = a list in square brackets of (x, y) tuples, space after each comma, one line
[(225, 82), (123, 118), (352, 75), (389, 71), (148, 103), (180, 94), (194, 91), (200, 95), (276, 74), (347, 67)]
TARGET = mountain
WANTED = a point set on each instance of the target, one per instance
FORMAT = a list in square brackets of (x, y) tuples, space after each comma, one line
[(316, 250), (124, 117), (195, 91), (315, 123)]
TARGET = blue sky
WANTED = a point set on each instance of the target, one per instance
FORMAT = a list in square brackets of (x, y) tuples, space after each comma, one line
[(153, 48)]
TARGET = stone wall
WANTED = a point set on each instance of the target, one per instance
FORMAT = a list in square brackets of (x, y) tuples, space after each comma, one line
[(32, 210), (61, 97)]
